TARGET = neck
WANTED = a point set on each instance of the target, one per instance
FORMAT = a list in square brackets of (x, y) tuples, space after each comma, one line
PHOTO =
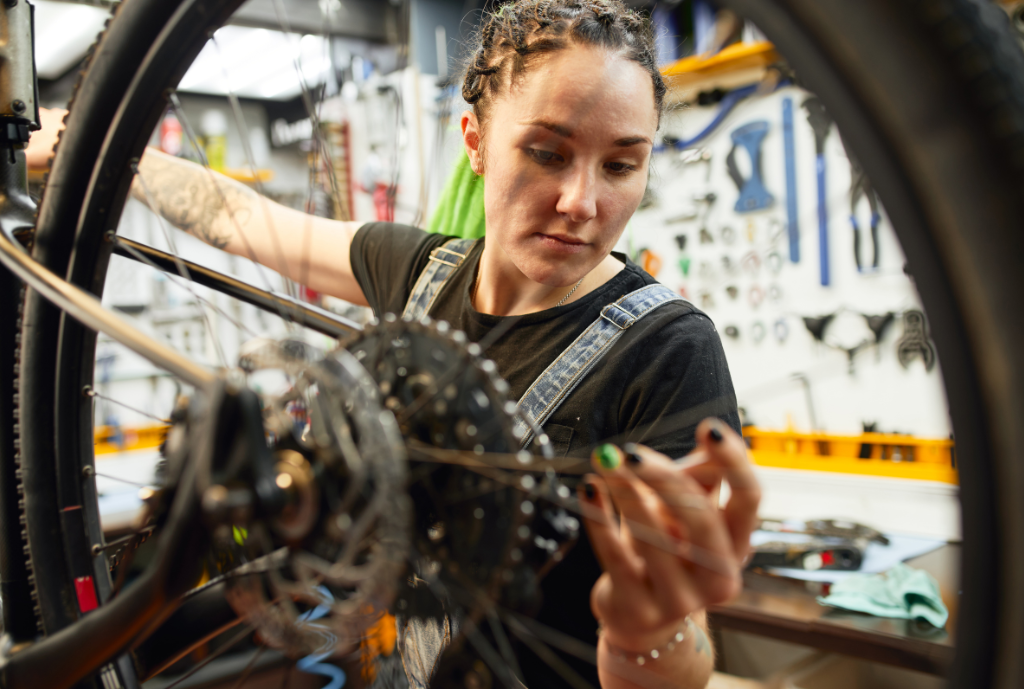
[(503, 290)]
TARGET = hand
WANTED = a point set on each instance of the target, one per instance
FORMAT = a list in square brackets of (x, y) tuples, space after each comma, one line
[(41, 143), (675, 552)]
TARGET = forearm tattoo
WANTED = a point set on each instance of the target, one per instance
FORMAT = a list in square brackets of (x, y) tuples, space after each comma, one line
[(190, 199)]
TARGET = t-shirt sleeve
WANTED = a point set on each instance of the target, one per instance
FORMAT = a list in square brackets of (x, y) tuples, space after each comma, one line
[(681, 378), (387, 258)]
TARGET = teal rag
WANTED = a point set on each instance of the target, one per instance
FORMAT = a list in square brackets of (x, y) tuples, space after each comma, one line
[(902, 592), (460, 210)]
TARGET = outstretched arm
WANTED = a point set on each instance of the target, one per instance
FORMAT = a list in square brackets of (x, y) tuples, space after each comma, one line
[(231, 216)]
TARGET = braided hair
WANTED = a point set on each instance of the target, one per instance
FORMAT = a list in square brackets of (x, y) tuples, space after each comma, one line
[(521, 30)]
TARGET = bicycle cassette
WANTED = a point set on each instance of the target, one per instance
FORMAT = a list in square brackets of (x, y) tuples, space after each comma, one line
[(487, 517)]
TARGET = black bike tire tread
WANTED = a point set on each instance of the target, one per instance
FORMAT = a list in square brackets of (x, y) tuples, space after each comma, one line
[(23, 516), (103, 81)]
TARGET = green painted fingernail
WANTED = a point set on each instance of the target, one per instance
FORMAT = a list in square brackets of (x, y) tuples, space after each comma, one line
[(608, 456)]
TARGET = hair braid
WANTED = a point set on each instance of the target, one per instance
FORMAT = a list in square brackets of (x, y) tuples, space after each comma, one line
[(521, 30)]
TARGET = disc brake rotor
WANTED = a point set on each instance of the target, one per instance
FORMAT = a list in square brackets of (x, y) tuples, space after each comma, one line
[(342, 463)]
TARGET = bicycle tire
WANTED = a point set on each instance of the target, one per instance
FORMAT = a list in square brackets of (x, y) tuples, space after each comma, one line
[(52, 419), (930, 95), (914, 87)]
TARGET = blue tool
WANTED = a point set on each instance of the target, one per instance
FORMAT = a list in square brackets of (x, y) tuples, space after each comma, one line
[(821, 123), (861, 186), (790, 154), (753, 195)]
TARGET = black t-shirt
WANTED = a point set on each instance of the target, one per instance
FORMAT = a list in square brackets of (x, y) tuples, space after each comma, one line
[(666, 373)]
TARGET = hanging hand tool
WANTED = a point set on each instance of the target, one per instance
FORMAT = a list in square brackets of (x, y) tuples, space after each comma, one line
[(650, 262), (699, 155), (879, 324), (860, 185), (789, 149), (709, 200), (821, 123), (753, 194), (915, 341), (781, 329), (816, 326)]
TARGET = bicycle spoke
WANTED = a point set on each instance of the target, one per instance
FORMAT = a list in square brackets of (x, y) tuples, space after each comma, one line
[(90, 391), (187, 128), (162, 222), (182, 269), (121, 480), (235, 640), (249, 667), (641, 532), (243, 130), (320, 143)]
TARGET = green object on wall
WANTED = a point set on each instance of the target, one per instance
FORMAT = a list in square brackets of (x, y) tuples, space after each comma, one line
[(460, 210)]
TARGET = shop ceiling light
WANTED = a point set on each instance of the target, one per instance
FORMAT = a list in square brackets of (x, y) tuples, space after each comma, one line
[(64, 32), (258, 63)]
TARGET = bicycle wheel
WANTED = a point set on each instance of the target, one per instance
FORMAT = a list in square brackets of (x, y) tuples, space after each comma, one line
[(929, 94), (53, 427)]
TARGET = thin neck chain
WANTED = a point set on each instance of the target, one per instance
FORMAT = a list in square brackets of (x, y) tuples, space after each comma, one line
[(476, 284), (569, 294)]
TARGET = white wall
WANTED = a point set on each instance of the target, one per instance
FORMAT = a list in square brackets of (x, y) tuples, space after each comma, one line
[(878, 389)]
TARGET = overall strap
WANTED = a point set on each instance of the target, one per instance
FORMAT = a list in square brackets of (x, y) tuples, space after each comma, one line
[(442, 263), (563, 375)]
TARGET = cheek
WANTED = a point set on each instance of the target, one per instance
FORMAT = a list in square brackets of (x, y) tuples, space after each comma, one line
[(517, 194), (620, 203)]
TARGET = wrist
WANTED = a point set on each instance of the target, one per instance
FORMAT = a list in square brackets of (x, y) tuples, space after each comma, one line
[(647, 647)]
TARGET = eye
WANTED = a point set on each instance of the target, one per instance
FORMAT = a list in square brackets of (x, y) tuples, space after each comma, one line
[(621, 168), (544, 157)]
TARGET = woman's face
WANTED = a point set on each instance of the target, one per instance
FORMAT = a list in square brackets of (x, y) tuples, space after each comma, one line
[(566, 155)]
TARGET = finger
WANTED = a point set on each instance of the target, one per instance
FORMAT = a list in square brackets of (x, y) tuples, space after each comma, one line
[(648, 530), (603, 530), (711, 547), (727, 450)]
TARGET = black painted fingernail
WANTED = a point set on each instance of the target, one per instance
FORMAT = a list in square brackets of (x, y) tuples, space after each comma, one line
[(716, 435), (632, 457), (589, 491)]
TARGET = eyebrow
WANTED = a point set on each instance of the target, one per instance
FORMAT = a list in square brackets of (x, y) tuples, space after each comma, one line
[(566, 133)]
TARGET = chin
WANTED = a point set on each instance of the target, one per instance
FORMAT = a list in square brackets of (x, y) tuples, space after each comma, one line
[(554, 273)]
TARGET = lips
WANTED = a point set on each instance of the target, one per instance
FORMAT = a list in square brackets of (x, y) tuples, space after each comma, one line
[(564, 238), (562, 244)]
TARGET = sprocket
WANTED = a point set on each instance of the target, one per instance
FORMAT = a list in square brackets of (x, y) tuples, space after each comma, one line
[(487, 516)]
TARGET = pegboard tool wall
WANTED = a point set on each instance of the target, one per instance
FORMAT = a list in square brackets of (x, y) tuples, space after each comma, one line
[(876, 388)]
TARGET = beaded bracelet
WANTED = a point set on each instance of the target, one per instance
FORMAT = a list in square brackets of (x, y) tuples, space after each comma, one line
[(640, 659)]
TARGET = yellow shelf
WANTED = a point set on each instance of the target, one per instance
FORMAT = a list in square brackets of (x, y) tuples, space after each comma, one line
[(736, 65), (142, 438), (246, 175), (892, 455)]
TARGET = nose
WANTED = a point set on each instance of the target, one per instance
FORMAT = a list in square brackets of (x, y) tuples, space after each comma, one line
[(578, 198)]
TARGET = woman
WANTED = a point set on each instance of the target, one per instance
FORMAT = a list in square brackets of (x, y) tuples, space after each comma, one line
[(566, 103)]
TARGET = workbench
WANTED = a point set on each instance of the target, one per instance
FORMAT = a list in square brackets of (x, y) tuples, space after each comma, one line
[(787, 610)]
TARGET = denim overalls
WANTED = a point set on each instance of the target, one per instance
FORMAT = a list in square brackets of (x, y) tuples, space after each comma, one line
[(420, 642)]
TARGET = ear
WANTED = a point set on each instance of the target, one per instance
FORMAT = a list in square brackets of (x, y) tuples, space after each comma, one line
[(471, 136)]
